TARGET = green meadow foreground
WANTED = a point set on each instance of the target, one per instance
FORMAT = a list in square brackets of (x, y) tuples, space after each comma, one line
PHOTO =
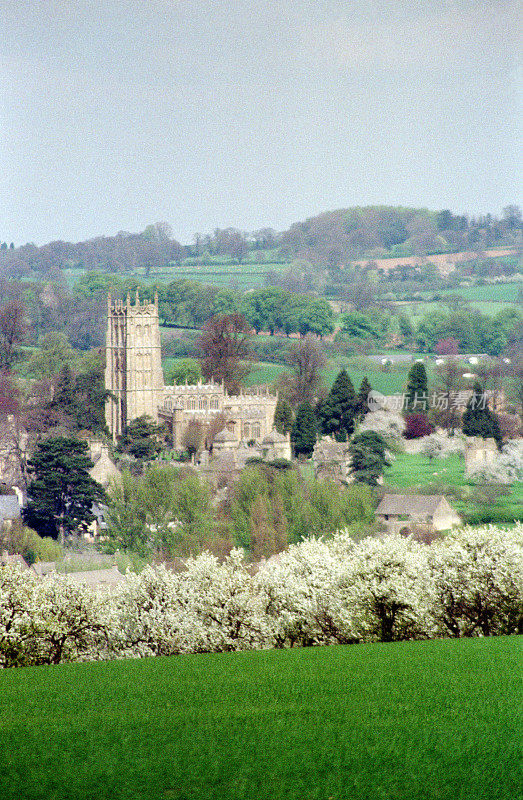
[(432, 720)]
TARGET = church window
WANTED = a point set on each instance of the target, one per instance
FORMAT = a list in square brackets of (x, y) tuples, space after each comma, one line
[(191, 405), (246, 431), (256, 432), (202, 404)]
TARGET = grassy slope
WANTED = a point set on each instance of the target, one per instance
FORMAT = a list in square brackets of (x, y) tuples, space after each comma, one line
[(431, 720)]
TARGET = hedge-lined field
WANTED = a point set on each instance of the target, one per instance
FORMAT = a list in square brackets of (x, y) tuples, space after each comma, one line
[(435, 720), (415, 472)]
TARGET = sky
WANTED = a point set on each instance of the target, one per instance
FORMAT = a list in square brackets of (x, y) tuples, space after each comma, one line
[(116, 114)]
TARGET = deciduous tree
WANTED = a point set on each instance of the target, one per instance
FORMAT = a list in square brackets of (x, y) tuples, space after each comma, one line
[(224, 348), (12, 332), (307, 360)]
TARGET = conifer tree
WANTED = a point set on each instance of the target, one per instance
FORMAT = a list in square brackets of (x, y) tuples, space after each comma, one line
[(283, 416), (61, 496), (337, 411), (304, 431), (368, 457), (417, 388), (478, 419), (362, 404)]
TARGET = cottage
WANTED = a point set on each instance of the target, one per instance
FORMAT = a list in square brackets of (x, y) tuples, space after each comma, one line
[(401, 513)]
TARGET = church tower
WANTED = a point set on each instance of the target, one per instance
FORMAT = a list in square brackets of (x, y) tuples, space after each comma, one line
[(133, 372)]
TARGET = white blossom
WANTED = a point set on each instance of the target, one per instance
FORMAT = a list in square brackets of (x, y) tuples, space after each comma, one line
[(317, 592)]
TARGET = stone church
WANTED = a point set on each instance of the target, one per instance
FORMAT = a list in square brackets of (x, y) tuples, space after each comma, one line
[(134, 376)]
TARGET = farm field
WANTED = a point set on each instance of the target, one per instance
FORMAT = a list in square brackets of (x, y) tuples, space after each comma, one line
[(266, 372), (217, 272), (472, 502), (491, 293), (435, 719)]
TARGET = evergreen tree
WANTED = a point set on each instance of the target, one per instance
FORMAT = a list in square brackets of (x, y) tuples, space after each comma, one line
[(304, 432), (478, 419), (362, 403), (140, 438), (336, 413), (283, 416), (368, 457), (62, 493), (417, 388)]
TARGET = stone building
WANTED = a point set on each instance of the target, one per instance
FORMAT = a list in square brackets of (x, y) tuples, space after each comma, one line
[(479, 452), (403, 513), (135, 379)]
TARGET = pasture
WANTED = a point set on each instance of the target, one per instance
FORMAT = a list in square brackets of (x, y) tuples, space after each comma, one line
[(476, 504), (436, 719)]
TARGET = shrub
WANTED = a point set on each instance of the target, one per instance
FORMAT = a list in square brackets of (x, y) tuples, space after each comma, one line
[(416, 426)]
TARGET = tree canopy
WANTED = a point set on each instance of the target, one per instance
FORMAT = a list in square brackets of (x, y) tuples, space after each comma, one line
[(62, 493)]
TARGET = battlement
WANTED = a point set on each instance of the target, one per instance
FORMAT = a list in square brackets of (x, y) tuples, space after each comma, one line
[(124, 307)]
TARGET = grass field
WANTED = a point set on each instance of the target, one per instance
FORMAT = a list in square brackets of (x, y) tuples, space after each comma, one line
[(266, 372), (421, 720), (412, 471), (491, 293)]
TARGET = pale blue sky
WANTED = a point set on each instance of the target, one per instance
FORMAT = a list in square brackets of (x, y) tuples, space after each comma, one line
[(205, 113)]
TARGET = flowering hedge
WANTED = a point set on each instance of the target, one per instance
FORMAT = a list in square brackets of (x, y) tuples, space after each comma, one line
[(317, 593)]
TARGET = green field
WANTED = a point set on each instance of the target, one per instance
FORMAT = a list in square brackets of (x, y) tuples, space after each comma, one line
[(266, 372), (412, 471), (491, 293), (222, 272), (437, 720)]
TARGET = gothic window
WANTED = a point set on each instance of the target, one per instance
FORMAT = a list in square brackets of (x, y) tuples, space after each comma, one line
[(191, 405), (202, 404), (256, 432), (138, 333), (246, 431)]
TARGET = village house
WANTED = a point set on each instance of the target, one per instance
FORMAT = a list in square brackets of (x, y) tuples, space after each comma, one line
[(402, 513)]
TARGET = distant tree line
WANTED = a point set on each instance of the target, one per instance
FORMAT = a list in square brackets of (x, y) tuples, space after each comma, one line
[(328, 240)]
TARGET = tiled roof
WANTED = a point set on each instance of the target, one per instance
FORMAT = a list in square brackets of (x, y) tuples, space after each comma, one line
[(409, 504)]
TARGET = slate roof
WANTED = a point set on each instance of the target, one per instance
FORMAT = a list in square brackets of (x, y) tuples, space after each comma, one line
[(414, 504)]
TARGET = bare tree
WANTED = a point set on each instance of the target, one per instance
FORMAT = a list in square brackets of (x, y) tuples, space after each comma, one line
[(449, 380), (307, 360), (224, 350), (9, 397)]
